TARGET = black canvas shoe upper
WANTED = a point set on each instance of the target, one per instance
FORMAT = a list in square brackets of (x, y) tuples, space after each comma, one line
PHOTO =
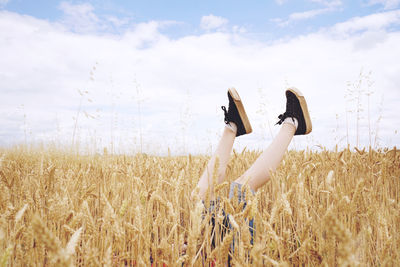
[(232, 115), (293, 110)]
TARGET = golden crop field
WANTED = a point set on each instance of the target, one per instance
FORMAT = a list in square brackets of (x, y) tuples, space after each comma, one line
[(320, 208)]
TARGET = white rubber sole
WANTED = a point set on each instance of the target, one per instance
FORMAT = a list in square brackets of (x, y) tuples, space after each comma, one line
[(304, 108), (242, 113)]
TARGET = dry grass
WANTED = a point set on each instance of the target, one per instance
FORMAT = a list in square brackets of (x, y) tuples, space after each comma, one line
[(320, 208)]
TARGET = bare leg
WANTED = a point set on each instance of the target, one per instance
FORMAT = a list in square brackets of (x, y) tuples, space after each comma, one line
[(260, 172), (296, 121), (237, 124), (223, 153)]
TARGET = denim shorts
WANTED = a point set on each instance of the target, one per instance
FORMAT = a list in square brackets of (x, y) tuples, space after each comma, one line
[(226, 226)]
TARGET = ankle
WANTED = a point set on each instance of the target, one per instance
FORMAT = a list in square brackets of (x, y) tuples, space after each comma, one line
[(231, 126), (292, 121)]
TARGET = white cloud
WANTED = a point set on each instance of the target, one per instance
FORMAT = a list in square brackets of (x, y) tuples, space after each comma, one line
[(307, 14), (181, 83), (280, 2), (239, 29), (388, 4), (329, 6), (301, 16), (117, 22), (372, 22), (212, 22), (81, 18)]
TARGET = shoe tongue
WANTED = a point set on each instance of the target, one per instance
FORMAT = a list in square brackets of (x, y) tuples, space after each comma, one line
[(291, 105), (290, 101), (230, 100), (232, 106)]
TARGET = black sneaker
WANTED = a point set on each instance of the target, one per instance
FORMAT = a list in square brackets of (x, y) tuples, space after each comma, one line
[(236, 113), (296, 107)]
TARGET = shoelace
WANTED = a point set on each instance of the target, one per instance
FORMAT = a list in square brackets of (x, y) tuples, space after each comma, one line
[(281, 119), (225, 114), (288, 113), (283, 116)]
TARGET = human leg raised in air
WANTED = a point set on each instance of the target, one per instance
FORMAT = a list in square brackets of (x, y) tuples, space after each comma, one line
[(295, 121), (237, 124)]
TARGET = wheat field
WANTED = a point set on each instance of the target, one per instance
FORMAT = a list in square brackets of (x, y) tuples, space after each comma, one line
[(319, 208)]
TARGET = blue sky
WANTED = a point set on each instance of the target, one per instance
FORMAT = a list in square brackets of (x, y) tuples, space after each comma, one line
[(259, 17), (152, 75)]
